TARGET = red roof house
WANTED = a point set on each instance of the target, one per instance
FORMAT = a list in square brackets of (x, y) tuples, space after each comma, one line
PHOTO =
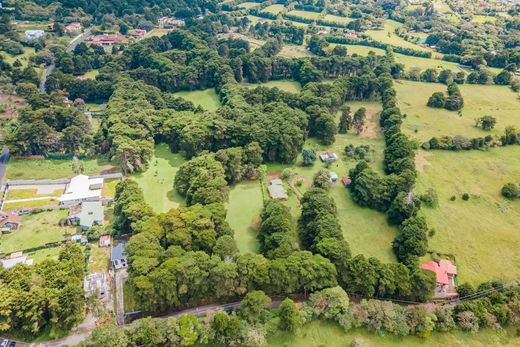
[(441, 277), (9, 221), (105, 241), (346, 181)]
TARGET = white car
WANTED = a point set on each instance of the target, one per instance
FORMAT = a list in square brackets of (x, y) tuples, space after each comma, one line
[(4, 343)]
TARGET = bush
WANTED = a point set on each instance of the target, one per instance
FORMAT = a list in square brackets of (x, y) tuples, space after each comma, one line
[(511, 191), (465, 196), (430, 198), (437, 100)]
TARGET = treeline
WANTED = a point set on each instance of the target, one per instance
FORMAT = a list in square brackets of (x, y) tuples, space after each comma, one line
[(289, 33), (511, 136), (45, 296)]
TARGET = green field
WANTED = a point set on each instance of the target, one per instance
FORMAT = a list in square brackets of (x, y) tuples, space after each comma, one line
[(157, 181), (293, 51), (482, 232), (321, 333), (18, 194), (274, 9), (99, 259), (484, 19), (30, 204), (248, 5), (23, 58), (318, 15), (91, 74), (388, 36), (109, 187), (24, 169), (44, 254), (243, 210), (285, 85), (366, 230), (423, 122), (36, 230), (207, 99)]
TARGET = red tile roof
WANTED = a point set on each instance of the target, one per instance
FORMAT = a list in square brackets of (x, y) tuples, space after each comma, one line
[(448, 267), (9, 217), (441, 276)]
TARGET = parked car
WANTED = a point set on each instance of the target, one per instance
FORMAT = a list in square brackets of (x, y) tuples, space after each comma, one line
[(12, 344), (4, 343)]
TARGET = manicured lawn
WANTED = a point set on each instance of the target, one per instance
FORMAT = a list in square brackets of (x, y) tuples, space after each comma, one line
[(157, 181), (388, 35), (321, 333), (482, 232), (23, 169), (274, 9), (423, 122), (285, 85), (243, 214), (99, 259), (17, 194), (366, 230), (36, 230), (207, 98), (30, 204), (109, 187)]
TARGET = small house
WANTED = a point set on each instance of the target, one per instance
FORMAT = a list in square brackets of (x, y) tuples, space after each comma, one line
[(333, 177), (12, 262), (74, 27), (92, 214), (34, 34), (118, 256), (346, 181), (105, 241), (137, 32), (9, 222), (351, 36), (328, 157), (276, 190), (445, 273)]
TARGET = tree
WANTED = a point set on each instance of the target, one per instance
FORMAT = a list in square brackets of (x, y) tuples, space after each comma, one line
[(411, 241), (486, 122), (359, 120), (326, 129), (404, 206), (511, 191), (504, 78), (322, 179), (290, 317), (308, 156), (317, 45), (345, 121), (423, 284), (437, 100), (253, 306)]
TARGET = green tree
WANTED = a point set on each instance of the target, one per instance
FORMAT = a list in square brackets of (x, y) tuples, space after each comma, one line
[(345, 121), (308, 156), (359, 120), (290, 317), (253, 306)]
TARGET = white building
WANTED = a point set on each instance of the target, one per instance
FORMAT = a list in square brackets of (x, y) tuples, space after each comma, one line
[(34, 34), (82, 188)]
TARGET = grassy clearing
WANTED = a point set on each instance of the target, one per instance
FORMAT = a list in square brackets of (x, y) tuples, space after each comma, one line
[(25, 169), (321, 333), (109, 187), (275, 9), (318, 15), (285, 85), (36, 230), (482, 232), (292, 51), (207, 99), (248, 5), (423, 122), (18, 194), (44, 254), (30, 204), (99, 259), (484, 19), (366, 230), (92, 74), (23, 58), (388, 36), (244, 207), (157, 181)]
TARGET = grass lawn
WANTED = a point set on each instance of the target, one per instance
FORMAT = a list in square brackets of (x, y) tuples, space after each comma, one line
[(109, 187), (274, 9), (44, 254), (322, 333), (99, 259), (92, 74), (157, 181), (293, 51), (23, 58), (207, 98), (388, 36), (244, 207), (285, 85), (24, 169), (318, 15), (423, 122), (482, 232), (18, 194), (248, 5), (30, 204), (36, 230), (366, 230)]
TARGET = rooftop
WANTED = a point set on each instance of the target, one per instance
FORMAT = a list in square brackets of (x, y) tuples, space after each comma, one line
[(91, 213), (9, 263), (79, 188)]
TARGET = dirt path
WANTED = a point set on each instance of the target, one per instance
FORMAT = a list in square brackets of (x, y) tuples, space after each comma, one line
[(420, 160), (372, 126)]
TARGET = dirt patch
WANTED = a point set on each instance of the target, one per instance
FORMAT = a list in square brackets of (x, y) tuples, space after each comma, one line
[(11, 104), (420, 160), (371, 126)]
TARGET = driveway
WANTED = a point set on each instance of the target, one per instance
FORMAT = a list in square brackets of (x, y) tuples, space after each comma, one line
[(4, 158)]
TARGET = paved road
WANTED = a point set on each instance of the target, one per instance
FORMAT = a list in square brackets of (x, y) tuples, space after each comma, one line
[(4, 158), (72, 45)]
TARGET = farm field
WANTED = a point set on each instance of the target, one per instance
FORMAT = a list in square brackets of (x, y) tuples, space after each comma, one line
[(275, 9), (25, 169), (207, 99), (285, 85), (482, 232), (423, 122), (318, 15), (36, 230), (157, 181), (248, 5), (388, 36), (322, 333), (484, 19), (243, 213)]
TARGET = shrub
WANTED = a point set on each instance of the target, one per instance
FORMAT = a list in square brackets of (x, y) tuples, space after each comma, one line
[(437, 100), (430, 198), (511, 191), (465, 196)]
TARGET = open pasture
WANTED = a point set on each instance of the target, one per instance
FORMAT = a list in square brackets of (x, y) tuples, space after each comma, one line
[(207, 98)]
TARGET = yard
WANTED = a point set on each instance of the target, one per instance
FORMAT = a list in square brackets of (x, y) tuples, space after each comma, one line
[(323, 333), (423, 122), (30, 204), (99, 259), (26, 169), (482, 232), (207, 99), (109, 187), (388, 36), (18, 194), (243, 214), (36, 230), (157, 181)]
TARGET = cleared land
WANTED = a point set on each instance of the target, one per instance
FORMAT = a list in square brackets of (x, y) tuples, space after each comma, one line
[(423, 122), (293, 51), (23, 58), (25, 169), (285, 85), (17, 194), (388, 35), (207, 99), (321, 333), (36, 230), (244, 207), (99, 259), (318, 15), (274, 9), (484, 19), (157, 181), (30, 204), (482, 232), (248, 5)]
